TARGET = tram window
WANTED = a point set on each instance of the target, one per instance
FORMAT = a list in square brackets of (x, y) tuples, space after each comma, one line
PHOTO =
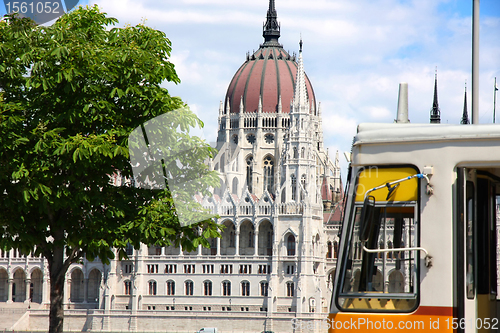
[(388, 281)]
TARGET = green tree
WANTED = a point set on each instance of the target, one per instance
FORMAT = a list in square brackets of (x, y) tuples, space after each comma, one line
[(70, 95)]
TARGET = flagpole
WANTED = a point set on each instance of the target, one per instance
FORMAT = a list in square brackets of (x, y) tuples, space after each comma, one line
[(494, 98), (475, 62)]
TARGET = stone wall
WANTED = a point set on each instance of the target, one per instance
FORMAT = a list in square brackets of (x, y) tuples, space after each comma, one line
[(172, 321)]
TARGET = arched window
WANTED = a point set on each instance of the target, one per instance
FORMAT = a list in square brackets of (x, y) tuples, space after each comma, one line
[(293, 180), (329, 250), (335, 249), (390, 255), (331, 278), (207, 288), (245, 288), (290, 289), (290, 245), (400, 254), (378, 282), (381, 246), (76, 293), (94, 283), (303, 182), (170, 288), (152, 287), (249, 162), (226, 288), (269, 173), (129, 249), (36, 281), (189, 288), (128, 287), (396, 282), (264, 288), (312, 304), (235, 185), (295, 152), (302, 152)]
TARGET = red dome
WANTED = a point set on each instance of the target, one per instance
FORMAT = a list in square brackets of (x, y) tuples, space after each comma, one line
[(270, 72)]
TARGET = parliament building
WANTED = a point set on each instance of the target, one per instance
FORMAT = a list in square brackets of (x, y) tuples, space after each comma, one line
[(278, 200)]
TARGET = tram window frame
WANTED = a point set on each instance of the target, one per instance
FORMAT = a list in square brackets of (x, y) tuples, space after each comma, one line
[(372, 265), (470, 253), (378, 302)]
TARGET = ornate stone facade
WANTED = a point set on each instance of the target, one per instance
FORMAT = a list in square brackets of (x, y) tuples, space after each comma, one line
[(278, 201)]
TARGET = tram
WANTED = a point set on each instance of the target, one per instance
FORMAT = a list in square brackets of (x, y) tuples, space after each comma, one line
[(418, 250)]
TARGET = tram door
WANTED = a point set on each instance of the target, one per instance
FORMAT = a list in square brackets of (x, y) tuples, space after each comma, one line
[(476, 261)]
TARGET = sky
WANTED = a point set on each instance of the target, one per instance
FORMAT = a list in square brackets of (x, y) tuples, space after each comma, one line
[(356, 52)]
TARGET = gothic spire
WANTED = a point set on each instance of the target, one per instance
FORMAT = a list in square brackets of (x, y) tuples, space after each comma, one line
[(271, 29), (300, 95), (465, 116), (435, 113)]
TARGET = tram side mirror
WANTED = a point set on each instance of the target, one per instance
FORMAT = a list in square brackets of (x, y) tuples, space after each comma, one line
[(366, 218)]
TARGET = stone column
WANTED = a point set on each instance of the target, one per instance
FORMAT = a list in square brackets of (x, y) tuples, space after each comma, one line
[(67, 291), (134, 305), (45, 283), (9, 295), (256, 243), (27, 291), (218, 247), (237, 242), (105, 300), (45, 289)]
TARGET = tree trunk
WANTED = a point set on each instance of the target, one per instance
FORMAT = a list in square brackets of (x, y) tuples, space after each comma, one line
[(57, 271)]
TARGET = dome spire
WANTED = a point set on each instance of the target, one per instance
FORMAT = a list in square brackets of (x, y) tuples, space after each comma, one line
[(271, 29)]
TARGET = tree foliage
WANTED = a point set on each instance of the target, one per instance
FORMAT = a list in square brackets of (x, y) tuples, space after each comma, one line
[(70, 95)]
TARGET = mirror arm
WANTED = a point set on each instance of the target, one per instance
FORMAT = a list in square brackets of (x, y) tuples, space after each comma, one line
[(418, 175)]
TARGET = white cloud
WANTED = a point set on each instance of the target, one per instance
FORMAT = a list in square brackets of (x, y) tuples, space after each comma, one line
[(355, 53), (378, 112)]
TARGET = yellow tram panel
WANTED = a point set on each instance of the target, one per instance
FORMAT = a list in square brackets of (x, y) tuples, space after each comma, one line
[(371, 177)]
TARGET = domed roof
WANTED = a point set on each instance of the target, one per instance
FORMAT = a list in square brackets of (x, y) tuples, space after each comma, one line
[(269, 73)]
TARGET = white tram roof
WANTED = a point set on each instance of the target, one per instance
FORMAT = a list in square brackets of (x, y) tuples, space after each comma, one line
[(373, 133)]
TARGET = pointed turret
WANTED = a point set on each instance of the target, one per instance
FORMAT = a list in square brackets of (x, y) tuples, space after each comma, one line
[(465, 116), (300, 94), (435, 113), (271, 29)]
